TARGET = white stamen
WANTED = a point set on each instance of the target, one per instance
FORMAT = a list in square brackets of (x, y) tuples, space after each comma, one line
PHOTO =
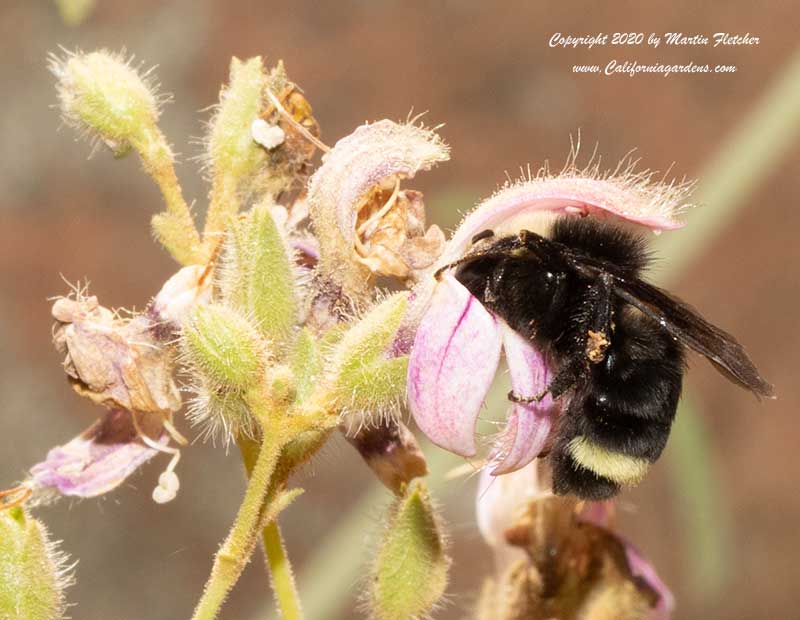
[(168, 483), (162, 495)]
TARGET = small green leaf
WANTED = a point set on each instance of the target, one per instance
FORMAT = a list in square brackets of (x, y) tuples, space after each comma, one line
[(224, 347), (410, 571), (32, 573)]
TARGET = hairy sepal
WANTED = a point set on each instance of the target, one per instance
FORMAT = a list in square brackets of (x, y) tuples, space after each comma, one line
[(364, 377), (410, 572), (33, 572)]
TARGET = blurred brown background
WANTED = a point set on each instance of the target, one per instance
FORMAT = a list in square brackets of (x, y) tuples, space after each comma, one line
[(484, 69)]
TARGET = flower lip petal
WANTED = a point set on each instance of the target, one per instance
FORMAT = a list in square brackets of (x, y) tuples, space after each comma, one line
[(632, 198), (530, 424), (500, 501), (96, 461), (600, 514), (644, 570), (453, 362)]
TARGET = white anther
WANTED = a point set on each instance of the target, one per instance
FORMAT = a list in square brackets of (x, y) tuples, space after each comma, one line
[(169, 481), (162, 495), (268, 136)]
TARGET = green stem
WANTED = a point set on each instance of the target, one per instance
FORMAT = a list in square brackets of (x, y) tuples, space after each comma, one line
[(282, 578), (175, 227), (235, 552)]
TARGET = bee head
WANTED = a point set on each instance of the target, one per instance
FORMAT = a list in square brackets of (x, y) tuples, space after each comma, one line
[(513, 281)]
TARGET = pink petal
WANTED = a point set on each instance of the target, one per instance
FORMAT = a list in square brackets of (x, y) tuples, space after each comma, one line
[(529, 424), (630, 197), (360, 161), (600, 514), (453, 361), (96, 461), (644, 570), (502, 501)]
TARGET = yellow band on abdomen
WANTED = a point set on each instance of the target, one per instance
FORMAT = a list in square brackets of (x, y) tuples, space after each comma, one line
[(622, 469)]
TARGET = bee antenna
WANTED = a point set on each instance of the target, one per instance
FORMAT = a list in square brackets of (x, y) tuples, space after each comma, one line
[(460, 261)]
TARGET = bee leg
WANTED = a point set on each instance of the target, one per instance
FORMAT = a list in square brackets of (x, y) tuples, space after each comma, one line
[(565, 380), (516, 398), (598, 332)]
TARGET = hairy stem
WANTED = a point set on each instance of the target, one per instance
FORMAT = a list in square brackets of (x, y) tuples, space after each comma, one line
[(175, 228), (283, 583), (223, 204), (235, 552)]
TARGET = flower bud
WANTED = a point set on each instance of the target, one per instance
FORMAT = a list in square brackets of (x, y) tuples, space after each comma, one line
[(75, 12), (103, 96), (33, 573), (257, 275), (365, 378), (391, 451), (410, 572), (224, 348), (232, 152), (181, 294), (108, 101)]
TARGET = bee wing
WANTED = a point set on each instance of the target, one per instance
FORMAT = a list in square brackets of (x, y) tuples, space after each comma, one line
[(686, 325)]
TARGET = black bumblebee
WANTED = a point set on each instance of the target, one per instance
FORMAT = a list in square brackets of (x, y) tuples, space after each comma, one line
[(615, 341)]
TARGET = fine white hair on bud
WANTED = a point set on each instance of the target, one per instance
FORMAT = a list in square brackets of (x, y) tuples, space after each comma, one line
[(219, 414), (34, 572), (105, 98)]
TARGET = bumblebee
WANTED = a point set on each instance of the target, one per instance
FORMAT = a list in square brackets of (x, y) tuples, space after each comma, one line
[(616, 342)]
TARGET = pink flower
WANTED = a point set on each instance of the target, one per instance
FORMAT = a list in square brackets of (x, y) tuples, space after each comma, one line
[(458, 343), (127, 366)]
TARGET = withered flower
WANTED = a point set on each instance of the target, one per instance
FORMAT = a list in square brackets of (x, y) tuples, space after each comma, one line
[(366, 225), (126, 365)]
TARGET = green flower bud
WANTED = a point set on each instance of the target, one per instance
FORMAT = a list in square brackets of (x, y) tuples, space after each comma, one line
[(410, 572), (257, 275), (103, 96), (364, 378), (231, 148), (224, 348), (233, 156), (33, 573), (75, 12)]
